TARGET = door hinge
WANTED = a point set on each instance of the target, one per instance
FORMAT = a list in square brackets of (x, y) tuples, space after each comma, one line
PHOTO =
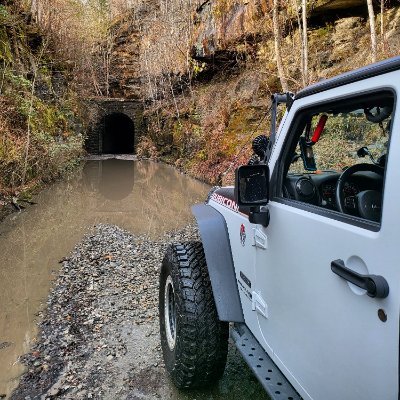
[(259, 305), (259, 239)]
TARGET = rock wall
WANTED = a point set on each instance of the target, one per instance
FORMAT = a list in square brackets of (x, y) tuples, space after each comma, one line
[(206, 128), (234, 26), (125, 75)]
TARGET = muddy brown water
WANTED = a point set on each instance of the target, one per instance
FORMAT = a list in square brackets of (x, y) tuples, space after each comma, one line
[(140, 196)]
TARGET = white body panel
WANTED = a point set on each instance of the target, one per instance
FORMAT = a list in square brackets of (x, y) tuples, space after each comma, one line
[(322, 332), (243, 257)]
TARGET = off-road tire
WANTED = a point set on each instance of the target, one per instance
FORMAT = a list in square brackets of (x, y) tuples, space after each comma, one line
[(198, 355)]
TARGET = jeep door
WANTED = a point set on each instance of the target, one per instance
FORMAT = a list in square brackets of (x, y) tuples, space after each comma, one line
[(331, 339)]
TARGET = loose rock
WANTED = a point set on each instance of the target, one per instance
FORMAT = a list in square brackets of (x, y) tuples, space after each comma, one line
[(105, 291), (99, 335)]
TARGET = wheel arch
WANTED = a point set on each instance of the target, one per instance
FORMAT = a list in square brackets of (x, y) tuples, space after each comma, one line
[(215, 238)]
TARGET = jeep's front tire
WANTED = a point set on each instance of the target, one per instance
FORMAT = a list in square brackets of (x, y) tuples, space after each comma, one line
[(193, 340)]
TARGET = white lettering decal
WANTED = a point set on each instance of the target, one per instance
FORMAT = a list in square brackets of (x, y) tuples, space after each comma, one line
[(225, 202)]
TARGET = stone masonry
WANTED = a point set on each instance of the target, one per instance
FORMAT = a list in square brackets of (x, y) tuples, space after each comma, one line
[(100, 108)]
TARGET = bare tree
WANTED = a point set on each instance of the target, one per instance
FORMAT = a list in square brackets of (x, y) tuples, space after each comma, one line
[(79, 32), (277, 43), (383, 25), (371, 15), (304, 44), (108, 52), (296, 8)]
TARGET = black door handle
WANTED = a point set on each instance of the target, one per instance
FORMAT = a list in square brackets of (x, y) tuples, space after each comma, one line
[(375, 285)]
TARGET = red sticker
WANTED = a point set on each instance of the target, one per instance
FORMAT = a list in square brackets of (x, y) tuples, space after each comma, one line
[(242, 234)]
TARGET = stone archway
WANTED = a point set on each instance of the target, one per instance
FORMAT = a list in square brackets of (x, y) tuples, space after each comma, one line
[(116, 126), (118, 134)]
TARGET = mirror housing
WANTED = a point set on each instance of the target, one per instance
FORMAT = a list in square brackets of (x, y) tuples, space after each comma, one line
[(362, 152), (252, 185)]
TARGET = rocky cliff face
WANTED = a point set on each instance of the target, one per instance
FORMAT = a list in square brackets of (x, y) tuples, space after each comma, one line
[(206, 128), (222, 26), (125, 74), (233, 29)]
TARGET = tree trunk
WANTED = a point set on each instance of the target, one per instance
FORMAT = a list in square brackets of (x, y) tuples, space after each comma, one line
[(277, 42), (383, 26), (304, 44), (34, 10), (371, 15), (296, 7)]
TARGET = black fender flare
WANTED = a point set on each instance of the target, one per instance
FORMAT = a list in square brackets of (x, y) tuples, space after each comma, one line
[(215, 238)]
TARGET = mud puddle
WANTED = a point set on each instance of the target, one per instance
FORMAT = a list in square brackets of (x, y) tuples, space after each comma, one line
[(139, 196)]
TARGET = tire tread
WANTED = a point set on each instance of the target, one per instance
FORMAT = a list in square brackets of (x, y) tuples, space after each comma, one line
[(202, 340)]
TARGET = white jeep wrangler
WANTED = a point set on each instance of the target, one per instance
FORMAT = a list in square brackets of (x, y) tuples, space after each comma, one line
[(301, 257)]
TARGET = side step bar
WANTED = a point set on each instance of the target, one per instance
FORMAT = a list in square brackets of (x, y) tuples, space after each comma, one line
[(269, 375)]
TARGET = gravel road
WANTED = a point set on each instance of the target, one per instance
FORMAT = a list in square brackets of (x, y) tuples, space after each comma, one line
[(99, 334)]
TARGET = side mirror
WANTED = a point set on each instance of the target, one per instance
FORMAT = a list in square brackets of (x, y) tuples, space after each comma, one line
[(252, 185), (363, 151)]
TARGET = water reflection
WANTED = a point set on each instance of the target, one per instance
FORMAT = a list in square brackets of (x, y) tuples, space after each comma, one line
[(114, 179), (140, 196)]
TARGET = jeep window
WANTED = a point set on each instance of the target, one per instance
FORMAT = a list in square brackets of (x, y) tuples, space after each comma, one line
[(336, 157)]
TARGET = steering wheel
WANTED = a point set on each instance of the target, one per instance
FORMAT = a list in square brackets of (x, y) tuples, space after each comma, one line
[(367, 203)]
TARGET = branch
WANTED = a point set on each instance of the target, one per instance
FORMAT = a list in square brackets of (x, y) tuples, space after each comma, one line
[(202, 5)]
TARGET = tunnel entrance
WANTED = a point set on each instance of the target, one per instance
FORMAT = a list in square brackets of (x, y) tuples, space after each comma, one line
[(118, 134)]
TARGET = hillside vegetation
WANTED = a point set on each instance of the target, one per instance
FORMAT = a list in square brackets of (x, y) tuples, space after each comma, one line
[(205, 71), (41, 133), (209, 92), (53, 54)]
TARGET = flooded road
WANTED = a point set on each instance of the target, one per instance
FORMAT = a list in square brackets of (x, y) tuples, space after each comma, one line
[(139, 196)]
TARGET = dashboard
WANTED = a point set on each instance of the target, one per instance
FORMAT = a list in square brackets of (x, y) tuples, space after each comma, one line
[(328, 193), (320, 189)]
